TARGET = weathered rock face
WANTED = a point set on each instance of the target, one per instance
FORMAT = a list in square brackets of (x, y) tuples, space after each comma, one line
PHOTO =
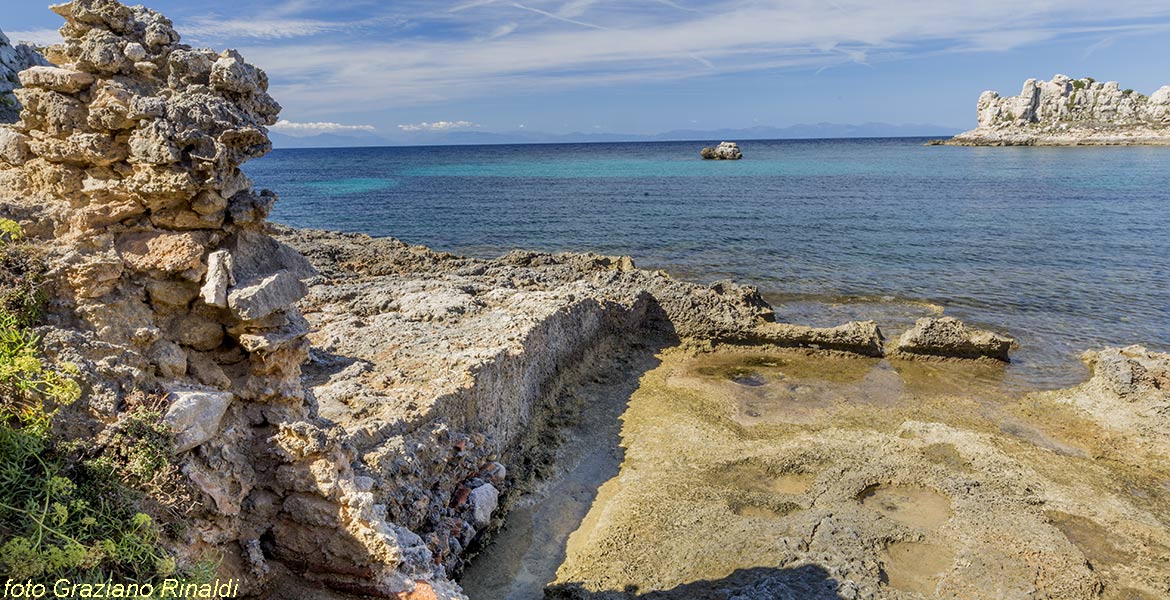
[(14, 58), (724, 151), (1068, 111), (125, 164), (439, 367), (950, 338)]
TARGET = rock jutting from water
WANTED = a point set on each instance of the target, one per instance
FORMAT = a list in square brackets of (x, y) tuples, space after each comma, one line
[(724, 151), (1071, 112), (948, 337), (14, 58)]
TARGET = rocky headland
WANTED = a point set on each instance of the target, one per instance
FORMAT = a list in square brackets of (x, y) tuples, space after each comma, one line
[(356, 417), (1071, 112)]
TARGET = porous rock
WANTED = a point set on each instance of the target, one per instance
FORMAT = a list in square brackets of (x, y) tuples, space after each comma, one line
[(949, 337), (195, 415)]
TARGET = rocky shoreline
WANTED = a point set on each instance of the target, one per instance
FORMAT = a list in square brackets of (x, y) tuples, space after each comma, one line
[(1070, 112), (356, 415)]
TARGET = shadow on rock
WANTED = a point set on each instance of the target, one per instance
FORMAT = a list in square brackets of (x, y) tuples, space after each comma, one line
[(809, 582)]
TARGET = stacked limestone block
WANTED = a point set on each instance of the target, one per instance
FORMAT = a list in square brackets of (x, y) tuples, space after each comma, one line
[(125, 163)]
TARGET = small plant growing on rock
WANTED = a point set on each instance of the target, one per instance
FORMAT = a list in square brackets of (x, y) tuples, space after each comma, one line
[(63, 518)]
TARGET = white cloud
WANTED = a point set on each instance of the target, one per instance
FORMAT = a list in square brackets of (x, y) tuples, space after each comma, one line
[(305, 129), (503, 30), (437, 126), (256, 28), (38, 37), (630, 41)]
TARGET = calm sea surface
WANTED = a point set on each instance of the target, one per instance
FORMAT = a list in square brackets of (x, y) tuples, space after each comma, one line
[(1064, 248)]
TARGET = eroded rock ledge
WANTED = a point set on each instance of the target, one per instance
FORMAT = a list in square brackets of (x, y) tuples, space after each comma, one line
[(1071, 112)]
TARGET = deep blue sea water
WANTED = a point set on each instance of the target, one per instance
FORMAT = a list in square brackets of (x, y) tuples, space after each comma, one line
[(1065, 248)]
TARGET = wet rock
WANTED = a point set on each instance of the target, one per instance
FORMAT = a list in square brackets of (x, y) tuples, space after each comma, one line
[(859, 337), (949, 337), (724, 151), (195, 416)]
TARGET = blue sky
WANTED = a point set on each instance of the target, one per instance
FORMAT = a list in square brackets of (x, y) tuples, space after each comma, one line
[(648, 66)]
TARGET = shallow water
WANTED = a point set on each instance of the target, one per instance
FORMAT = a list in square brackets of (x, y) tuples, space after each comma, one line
[(915, 465), (1065, 248)]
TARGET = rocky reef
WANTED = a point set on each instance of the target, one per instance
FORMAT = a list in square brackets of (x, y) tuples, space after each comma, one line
[(1071, 112), (724, 151), (14, 58)]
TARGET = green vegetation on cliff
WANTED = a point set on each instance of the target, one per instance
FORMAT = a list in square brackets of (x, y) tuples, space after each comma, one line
[(70, 510)]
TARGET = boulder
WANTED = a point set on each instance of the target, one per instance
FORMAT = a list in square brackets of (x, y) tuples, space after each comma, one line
[(263, 297), (194, 416), (949, 337), (484, 500), (724, 151)]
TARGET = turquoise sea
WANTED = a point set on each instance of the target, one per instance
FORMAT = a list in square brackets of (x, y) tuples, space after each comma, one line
[(1065, 248)]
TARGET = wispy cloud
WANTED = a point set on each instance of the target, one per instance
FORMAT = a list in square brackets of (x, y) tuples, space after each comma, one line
[(206, 27), (302, 129), (437, 126), (494, 47), (39, 37)]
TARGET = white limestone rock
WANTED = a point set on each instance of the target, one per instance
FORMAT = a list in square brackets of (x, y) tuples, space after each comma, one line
[(195, 415), (218, 279), (1067, 111), (484, 500)]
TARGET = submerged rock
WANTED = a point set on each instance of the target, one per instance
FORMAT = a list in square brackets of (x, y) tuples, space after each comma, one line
[(1070, 112), (949, 337), (724, 151)]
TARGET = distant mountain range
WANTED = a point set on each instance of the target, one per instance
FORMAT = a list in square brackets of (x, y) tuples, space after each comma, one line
[(807, 131)]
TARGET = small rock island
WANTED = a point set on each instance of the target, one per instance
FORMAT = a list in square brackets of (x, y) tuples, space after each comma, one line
[(1071, 112), (724, 151)]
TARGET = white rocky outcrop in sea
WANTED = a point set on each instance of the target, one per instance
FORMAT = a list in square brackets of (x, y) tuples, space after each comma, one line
[(724, 151), (1071, 112), (14, 58)]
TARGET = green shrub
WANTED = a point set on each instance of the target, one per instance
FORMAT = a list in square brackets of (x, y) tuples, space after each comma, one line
[(22, 273), (65, 513)]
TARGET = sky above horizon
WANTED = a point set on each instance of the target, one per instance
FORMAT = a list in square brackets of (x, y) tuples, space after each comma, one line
[(649, 66)]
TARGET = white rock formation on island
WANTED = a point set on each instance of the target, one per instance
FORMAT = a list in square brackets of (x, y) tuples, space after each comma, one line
[(14, 58), (1071, 112), (724, 151)]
